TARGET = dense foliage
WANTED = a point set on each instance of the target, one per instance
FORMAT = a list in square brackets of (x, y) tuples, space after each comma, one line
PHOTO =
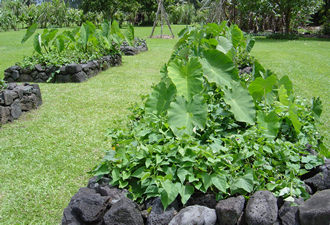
[(204, 128), (80, 45)]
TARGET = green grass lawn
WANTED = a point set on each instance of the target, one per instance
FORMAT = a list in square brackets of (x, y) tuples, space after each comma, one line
[(46, 153)]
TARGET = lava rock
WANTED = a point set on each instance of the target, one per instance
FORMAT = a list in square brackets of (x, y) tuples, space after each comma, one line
[(320, 181), (125, 211), (316, 210), (73, 68), (15, 109), (230, 210), (91, 208), (197, 215), (261, 209), (207, 200), (4, 114), (288, 214), (79, 77), (39, 67), (157, 215), (70, 217)]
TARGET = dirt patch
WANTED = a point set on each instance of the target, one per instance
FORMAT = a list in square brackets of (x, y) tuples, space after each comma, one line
[(164, 36)]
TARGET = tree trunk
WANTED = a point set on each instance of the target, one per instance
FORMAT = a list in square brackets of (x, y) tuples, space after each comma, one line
[(287, 20)]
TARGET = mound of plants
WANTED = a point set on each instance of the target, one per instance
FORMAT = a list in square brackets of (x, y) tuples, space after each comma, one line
[(290, 36), (206, 129), (80, 45)]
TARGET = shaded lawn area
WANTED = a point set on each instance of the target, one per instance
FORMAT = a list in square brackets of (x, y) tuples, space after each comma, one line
[(46, 153)]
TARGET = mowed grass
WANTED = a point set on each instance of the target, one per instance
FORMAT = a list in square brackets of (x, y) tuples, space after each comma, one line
[(46, 154)]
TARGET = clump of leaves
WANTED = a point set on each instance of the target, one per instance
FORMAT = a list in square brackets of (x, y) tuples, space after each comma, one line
[(3, 84), (77, 46), (290, 36), (203, 129)]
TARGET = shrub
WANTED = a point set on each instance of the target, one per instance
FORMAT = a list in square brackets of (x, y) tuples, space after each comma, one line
[(290, 36), (204, 129)]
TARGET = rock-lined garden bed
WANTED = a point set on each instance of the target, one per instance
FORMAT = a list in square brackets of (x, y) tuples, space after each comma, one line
[(17, 99), (140, 45), (70, 73), (100, 203)]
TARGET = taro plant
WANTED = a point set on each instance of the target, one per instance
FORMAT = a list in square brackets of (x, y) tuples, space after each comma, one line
[(203, 129), (79, 45)]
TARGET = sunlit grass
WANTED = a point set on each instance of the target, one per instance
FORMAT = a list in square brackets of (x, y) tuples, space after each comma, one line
[(46, 153)]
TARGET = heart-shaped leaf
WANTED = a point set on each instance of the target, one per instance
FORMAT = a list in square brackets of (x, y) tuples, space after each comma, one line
[(241, 102), (269, 124), (184, 116), (219, 68), (170, 192), (260, 87), (160, 99), (188, 79), (186, 192)]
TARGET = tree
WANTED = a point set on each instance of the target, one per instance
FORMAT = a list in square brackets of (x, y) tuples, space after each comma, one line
[(107, 7), (294, 9)]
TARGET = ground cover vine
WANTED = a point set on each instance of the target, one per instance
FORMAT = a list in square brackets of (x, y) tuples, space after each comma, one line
[(206, 128)]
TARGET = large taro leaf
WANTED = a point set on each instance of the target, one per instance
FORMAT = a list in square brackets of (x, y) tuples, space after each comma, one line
[(241, 102), (316, 108), (219, 68), (224, 45), (294, 118), (287, 83), (184, 116), (260, 87), (236, 36), (160, 99), (269, 124), (188, 79)]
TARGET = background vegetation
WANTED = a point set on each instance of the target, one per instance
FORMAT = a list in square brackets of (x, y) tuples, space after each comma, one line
[(251, 16)]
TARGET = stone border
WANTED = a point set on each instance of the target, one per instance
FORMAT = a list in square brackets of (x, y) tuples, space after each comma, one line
[(75, 73), (100, 203), (17, 99)]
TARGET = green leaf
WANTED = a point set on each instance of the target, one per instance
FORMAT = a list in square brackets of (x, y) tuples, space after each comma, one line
[(115, 28), (271, 186), (182, 173), (219, 68), (129, 35), (316, 108), (207, 180), (103, 169), (139, 172), (115, 175), (160, 99), (184, 116), (37, 43), (187, 79), (60, 44), (105, 27), (186, 192), (245, 182), (294, 118), (286, 82), (241, 103), (268, 124), (224, 45), (220, 183), (260, 87), (258, 69), (236, 35), (283, 96), (170, 192), (29, 32), (250, 41)]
